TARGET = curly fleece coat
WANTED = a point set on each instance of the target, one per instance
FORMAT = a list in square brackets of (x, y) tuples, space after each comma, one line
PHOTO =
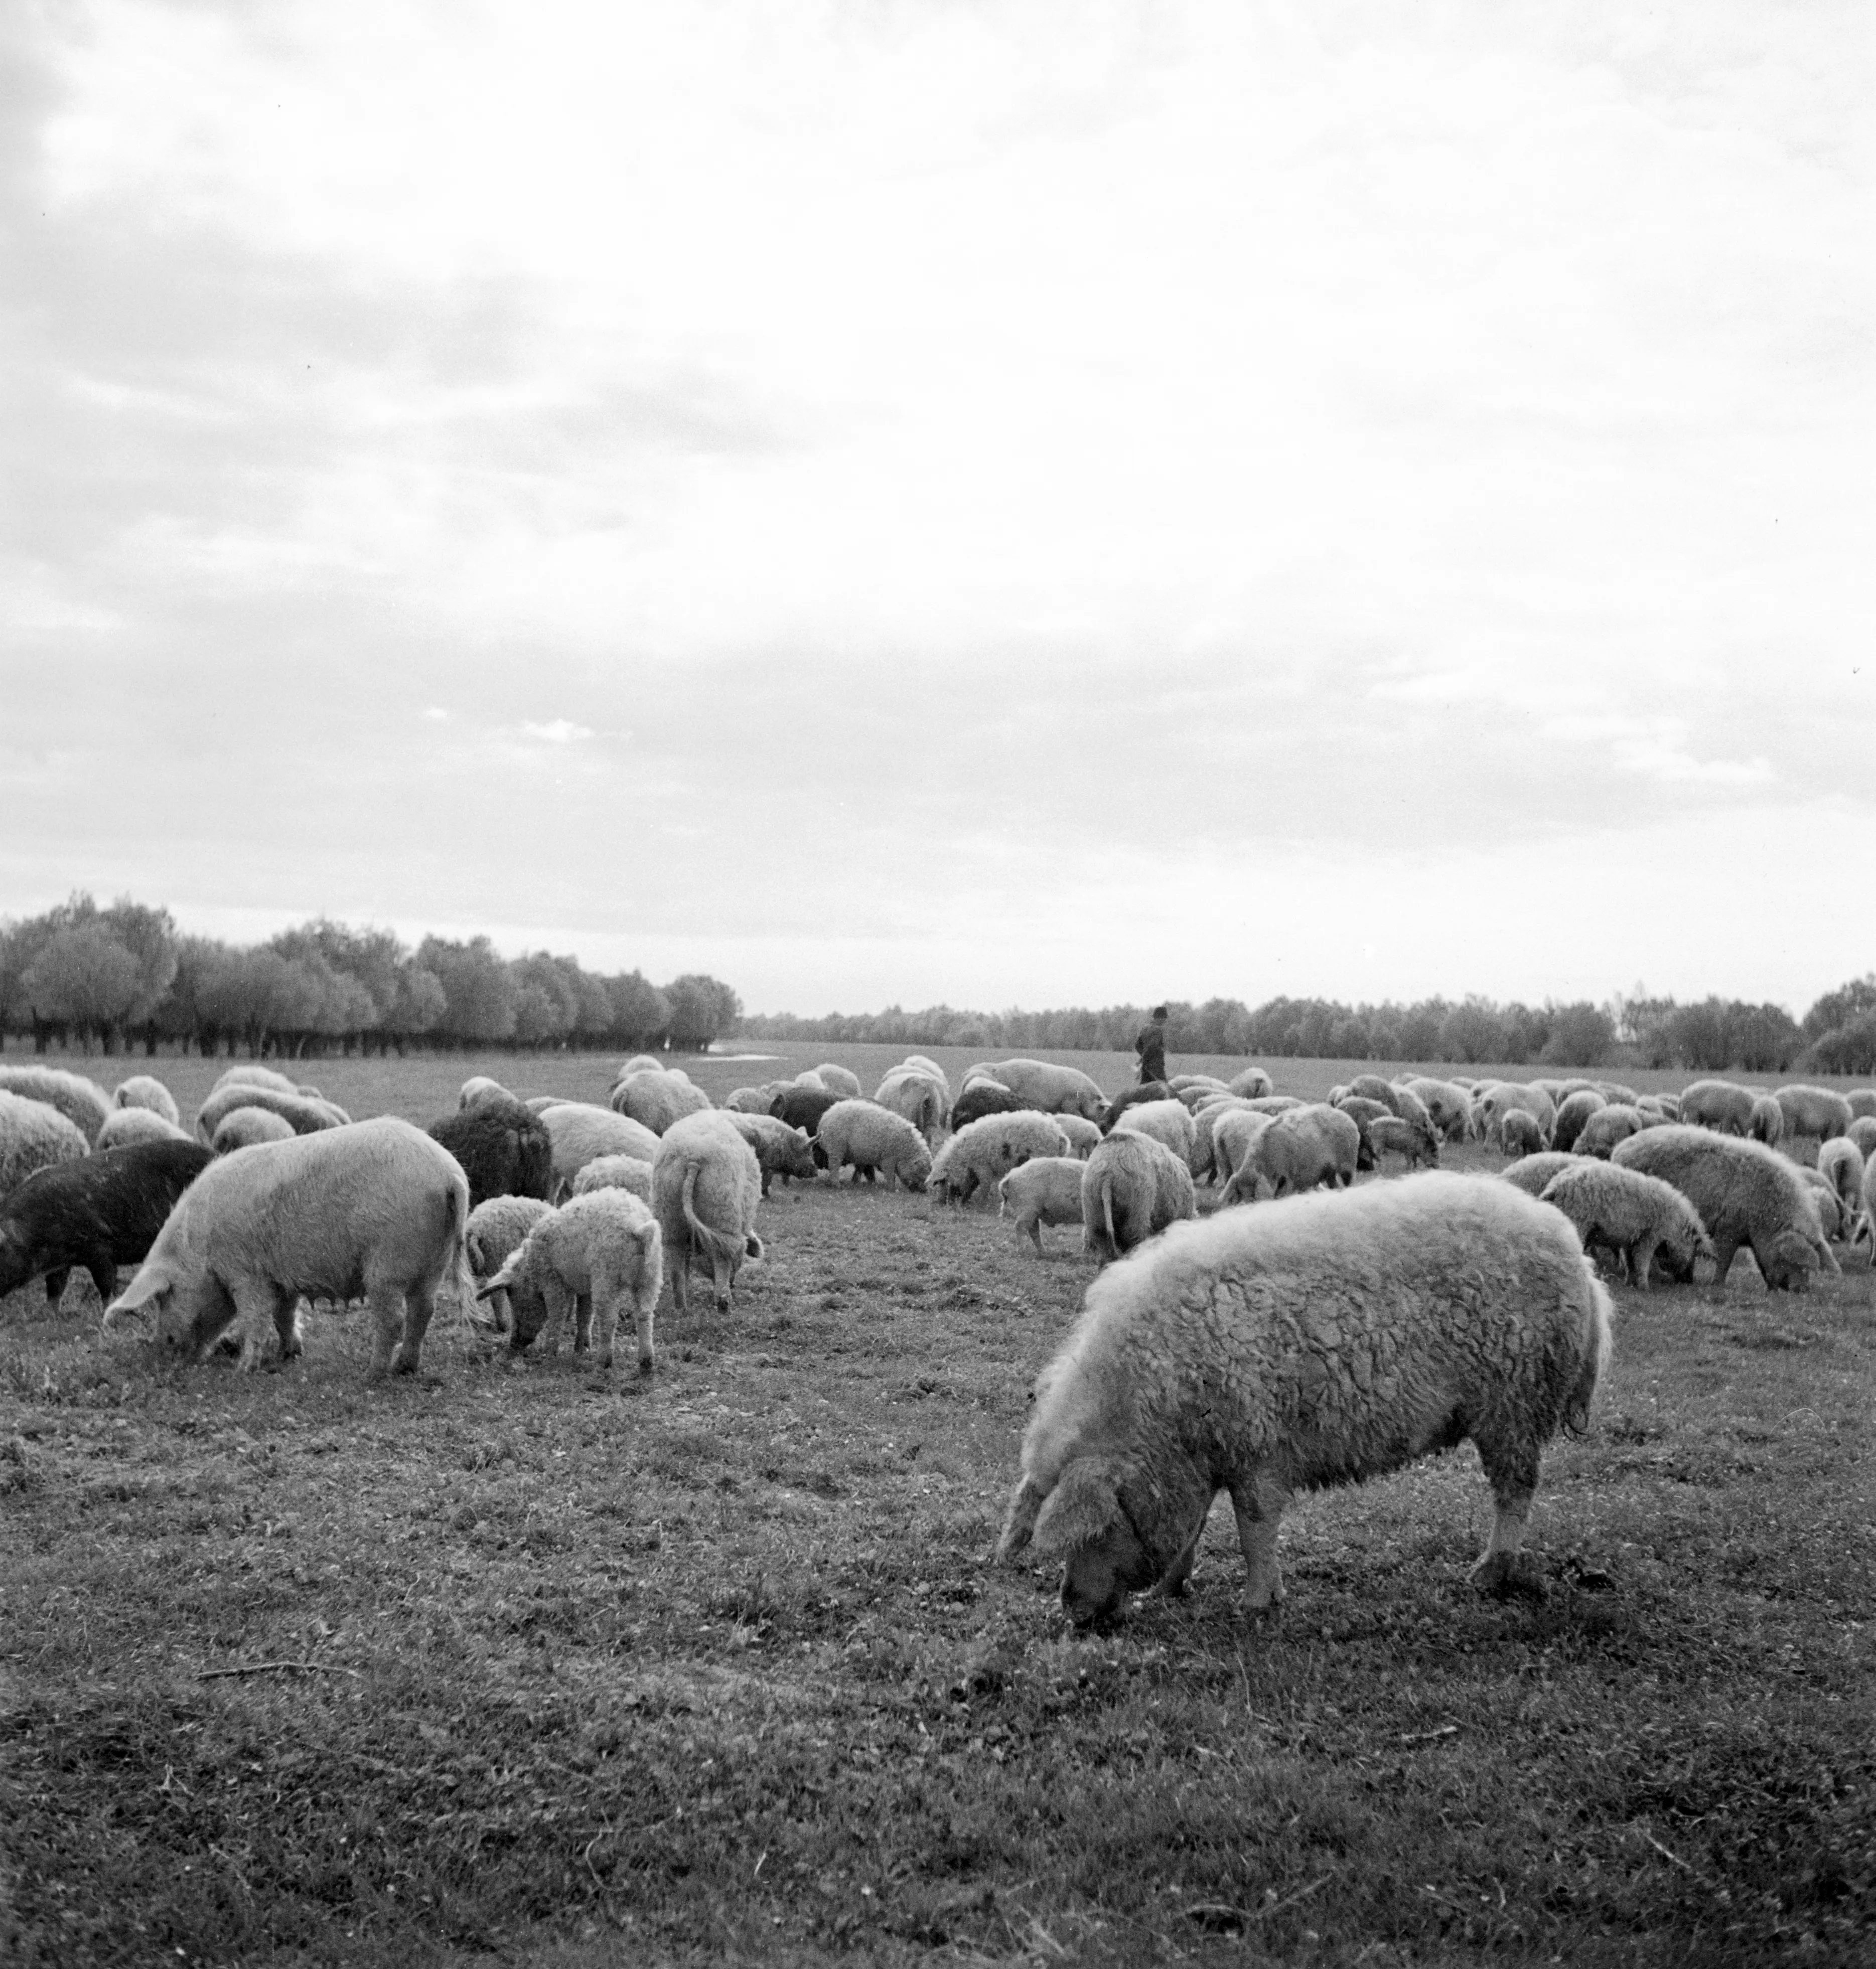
[(1295, 1346)]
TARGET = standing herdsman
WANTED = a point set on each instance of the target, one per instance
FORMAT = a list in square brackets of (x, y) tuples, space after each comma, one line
[(1151, 1044)]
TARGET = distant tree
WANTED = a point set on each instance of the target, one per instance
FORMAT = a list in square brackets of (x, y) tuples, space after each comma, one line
[(1766, 1039), (1701, 1036), (1839, 1008), (641, 1014), (478, 992), (1417, 1031), (702, 1009), (1848, 1048), (418, 1007), (1580, 1035), (86, 978), (1471, 1032)]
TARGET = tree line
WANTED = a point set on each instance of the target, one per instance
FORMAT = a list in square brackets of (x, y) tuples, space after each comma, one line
[(1837, 1035), (124, 975)]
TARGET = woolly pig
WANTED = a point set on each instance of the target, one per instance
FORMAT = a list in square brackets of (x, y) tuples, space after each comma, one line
[(1573, 1111), (1132, 1187), (780, 1149), (1765, 1121), (1448, 1104), (241, 1127), (1395, 1135), (124, 1126), (915, 1096), (144, 1090), (599, 1255), (1840, 1163), (1147, 1092), (977, 1156), (1615, 1122), (1371, 1087), (1167, 1122), (1505, 1097), (305, 1117), (923, 1063), (1814, 1110), (618, 1172), (254, 1076), (706, 1184), (33, 1135), (1746, 1194), (1532, 1174), (1233, 1138), (1364, 1113), (377, 1206), (496, 1229), (1302, 1147), (1045, 1190), (1324, 1341), (1640, 1217), (872, 1138), (656, 1099), (1051, 1089), (984, 1097), (83, 1102), (579, 1131), (1721, 1106), (505, 1149), (801, 1107), (93, 1213)]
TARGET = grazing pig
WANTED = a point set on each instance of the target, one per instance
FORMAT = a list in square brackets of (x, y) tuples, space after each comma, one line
[(33, 1135), (306, 1116), (1318, 1341), (601, 1253), (241, 1127), (125, 1126), (144, 1090), (498, 1228), (375, 1206), (1640, 1218), (505, 1149), (780, 1150), (872, 1139), (802, 1108), (1045, 1190), (93, 1214), (1132, 1187), (614, 1172), (1746, 1194), (705, 1184)]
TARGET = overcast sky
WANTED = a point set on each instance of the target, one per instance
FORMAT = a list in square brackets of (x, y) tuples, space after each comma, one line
[(1041, 504)]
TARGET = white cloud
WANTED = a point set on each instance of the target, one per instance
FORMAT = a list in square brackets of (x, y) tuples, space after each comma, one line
[(557, 731)]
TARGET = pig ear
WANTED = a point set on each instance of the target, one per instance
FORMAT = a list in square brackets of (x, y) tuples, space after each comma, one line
[(145, 1293), (500, 1283), (1025, 1502), (1080, 1509)]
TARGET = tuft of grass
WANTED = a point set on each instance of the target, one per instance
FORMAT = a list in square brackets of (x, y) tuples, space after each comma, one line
[(558, 1666)]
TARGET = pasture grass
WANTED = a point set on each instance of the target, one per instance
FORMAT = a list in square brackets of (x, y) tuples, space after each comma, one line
[(716, 1667)]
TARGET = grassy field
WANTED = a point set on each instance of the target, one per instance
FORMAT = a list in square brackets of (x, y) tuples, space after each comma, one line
[(521, 1661)]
